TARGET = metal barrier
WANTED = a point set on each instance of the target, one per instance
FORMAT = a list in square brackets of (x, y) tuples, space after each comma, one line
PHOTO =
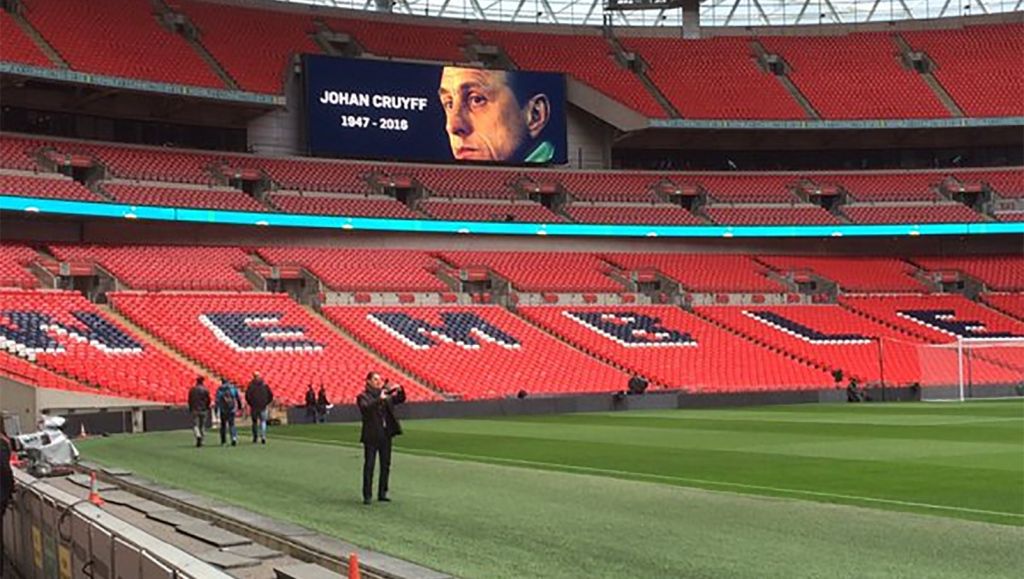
[(48, 533)]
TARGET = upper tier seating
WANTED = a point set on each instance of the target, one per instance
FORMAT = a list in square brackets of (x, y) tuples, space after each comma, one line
[(365, 206), (254, 45), (842, 340), (476, 352), (49, 185), (412, 41), (238, 334), (978, 65), (853, 273), (811, 214), (14, 259), (855, 77), (703, 272), (519, 211), (17, 47), (935, 213), (161, 267), (1010, 304), (311, 174), (354, 269), (118, 38), (714, 78), (676, 349), (626, 214), (587, 58), (64, 332), (997, 272), (146, 163), (541, 271), (902, 186), (222, 198)]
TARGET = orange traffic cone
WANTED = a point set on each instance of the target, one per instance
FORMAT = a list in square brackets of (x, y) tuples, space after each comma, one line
[(94, 491), (353, 566), (15, 461)]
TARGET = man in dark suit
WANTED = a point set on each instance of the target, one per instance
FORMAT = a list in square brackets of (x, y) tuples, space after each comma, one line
[(377, 405)]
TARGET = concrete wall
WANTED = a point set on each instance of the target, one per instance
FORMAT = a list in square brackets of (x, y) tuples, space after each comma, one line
[(589, 140)]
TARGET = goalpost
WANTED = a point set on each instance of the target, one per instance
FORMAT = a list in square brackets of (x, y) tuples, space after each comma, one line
[(972, 368)]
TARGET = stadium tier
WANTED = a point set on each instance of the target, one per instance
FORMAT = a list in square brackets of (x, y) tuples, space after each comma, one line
[(844, 76), (14, 260), (704, 272), (1009, 304), (162, 195), (328, 205), (17, 47), (237, 334), (626, 214), (978, 65), (541, 271), (676, 349), (362, 269), (858, 76), (890, 186), (49, 185), (933, 213), (746, 188), (767, 215), (515, 211), (118, 38), (65, 333), (852, 273), (998, 273), (477, 352), (160, 267)]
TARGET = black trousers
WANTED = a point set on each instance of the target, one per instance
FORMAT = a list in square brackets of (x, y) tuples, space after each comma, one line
[(370, 452)]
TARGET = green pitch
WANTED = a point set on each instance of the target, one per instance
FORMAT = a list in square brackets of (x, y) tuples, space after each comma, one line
[(907, 490)]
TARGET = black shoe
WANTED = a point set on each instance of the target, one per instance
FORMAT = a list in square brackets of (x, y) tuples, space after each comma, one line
[(384, 499), (199, 442), (234, 443), (263, 441), (367, 501), (254, 441)]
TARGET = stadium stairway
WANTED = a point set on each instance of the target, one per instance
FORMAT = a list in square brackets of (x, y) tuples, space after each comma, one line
[(190, 33), (155, 342), (786, 82), (45, 47), (906, 51), (393, 365), (638, 67)]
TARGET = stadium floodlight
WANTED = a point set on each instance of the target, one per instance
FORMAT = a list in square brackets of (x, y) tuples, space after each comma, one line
[(972, 368)]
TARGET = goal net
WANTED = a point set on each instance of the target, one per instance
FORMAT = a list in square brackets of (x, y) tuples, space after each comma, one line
[(971, 368)]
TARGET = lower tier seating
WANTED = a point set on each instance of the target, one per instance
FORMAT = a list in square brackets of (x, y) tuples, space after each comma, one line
[(677, 349), (363, 207), (782, 215), (476, 352), (626, 214), (706, 272), (236, 334), (521, 211), (1010, 304), (64, 332)]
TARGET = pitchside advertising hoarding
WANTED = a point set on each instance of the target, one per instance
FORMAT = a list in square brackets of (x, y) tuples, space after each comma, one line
[(374, 109)]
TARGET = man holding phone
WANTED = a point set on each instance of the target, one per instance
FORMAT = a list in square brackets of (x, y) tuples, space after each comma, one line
[(377, 404)]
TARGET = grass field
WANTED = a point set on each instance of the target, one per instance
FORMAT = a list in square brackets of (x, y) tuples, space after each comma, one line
[(899, 490)]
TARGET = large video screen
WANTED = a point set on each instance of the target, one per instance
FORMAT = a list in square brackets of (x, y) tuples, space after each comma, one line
[(373, 109)]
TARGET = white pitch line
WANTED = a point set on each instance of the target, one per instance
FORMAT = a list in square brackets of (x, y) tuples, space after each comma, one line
[(634, 475)]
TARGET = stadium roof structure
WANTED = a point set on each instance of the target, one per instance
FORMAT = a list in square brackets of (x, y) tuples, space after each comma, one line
[(712, 12)]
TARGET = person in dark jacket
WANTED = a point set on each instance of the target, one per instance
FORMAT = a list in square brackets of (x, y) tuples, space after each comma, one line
[(310, 404), (321, 405), (199, 407), (377, 404), (258, 396), (228, 404), (6, 474)]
